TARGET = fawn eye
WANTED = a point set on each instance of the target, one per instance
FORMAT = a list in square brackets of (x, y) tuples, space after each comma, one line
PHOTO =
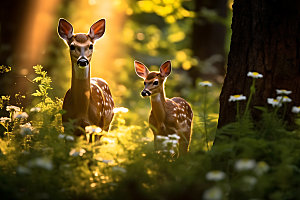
[(155, 83), (144, 83), (91, 47), (72, 47)]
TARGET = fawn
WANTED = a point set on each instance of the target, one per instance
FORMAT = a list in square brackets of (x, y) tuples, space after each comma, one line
[(168, 116), (89, 100)]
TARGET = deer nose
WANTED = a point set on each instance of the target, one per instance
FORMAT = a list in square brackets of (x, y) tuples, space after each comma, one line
[(145, 93), (82, 61)]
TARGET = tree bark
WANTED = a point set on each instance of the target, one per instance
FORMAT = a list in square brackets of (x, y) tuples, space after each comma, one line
[(209, 40), (265, 39)]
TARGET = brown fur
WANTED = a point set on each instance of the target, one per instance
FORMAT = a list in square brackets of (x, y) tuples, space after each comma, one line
[(168, 116)]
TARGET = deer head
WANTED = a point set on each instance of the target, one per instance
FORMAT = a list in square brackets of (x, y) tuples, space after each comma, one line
[(81, 45), (153, 81)]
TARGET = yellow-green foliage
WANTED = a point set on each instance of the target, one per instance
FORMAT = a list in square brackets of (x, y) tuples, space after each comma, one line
[(38, 160)]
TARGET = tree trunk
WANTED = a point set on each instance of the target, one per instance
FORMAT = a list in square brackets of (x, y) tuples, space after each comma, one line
[(265, 39), (209, 40)]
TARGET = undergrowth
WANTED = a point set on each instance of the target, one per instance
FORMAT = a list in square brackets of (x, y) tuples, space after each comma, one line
[(250, 160)]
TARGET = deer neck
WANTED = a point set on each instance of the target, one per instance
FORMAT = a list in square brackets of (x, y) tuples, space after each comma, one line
[(158, 104), (80, 88)]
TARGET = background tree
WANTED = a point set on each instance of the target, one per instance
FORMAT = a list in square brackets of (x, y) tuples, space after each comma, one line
[(266, 39), (209, 35)]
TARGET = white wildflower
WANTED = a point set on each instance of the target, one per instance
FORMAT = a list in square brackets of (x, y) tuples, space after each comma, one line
[(118, 169), (245, 164), (168, 151), (250, 182), (284, 99), (171, 151), (160, 137), (274, 102), (170, 143), (20, 115), (23, 170), (26, 129), (215, 175), (5, 119), (254, 75), (69, 138), (35, 109), (106, 140), (13, 109), (286, 92), (205, 83), (296, 109), (120, 110), (237, 97), (44, 163), (75, 152), (261, 168), (174, 137), (61, 136), (93, 129), (214, 193)]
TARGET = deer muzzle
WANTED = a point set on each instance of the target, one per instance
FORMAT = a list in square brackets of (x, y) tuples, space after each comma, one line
[(145, 93), (82, 62)]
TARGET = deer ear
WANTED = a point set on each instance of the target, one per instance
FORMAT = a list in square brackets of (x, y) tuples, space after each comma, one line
[(165, 69), (97, 29), (140, 69), (65, 29)]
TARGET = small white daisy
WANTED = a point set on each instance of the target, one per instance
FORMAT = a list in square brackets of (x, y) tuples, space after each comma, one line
[(284, 99), (237, 97), (5, 119), (174, 137), (214, 193), (120, 110), (13, 109), (274, 102), (93, 129), (286, 92), (245, 164), (23, 170), (296, 109), (69, 138), (61, 136), (215, 175), (75, 152), (170, 143), (26, 129), (261, 168), (119, 169), (44, 163), (254, 75), (20, 115), (35, 109), (160, 137), (205, 83)]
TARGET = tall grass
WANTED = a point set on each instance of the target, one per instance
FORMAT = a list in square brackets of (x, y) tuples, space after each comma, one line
[(252, 160)]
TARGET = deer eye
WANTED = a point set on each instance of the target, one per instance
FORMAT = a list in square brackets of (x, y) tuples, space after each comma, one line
[(72, 47), (144, 83), (155, 83), (91, 47)]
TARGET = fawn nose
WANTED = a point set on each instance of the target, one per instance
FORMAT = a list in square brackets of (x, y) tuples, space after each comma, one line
[(145, 93), (82, 61)]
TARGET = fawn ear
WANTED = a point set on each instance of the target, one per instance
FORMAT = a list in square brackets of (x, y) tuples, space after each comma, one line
[(65, 29), (97, 29), (140, 69), (165, 69)]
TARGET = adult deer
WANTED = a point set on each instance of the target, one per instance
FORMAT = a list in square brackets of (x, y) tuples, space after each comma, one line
[(168, 116), (89, 100)]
